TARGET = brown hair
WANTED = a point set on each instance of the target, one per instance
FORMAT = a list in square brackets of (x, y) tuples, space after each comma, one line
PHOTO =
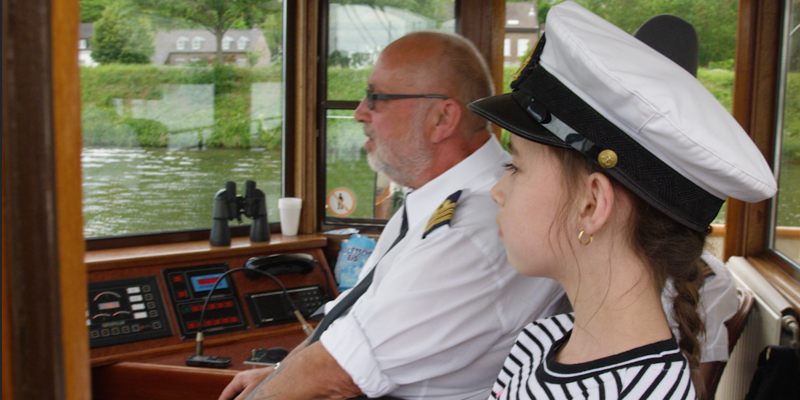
[(671, 249)]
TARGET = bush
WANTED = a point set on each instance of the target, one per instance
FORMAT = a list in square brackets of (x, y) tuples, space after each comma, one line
[(724, 64)]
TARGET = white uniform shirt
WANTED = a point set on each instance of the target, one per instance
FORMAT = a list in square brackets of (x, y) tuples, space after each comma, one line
[(442, 312), (717, 304)]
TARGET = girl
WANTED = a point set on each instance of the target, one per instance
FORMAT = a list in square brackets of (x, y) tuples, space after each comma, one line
[(620, 161)]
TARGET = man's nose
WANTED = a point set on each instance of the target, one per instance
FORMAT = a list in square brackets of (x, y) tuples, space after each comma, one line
[(362, 111)]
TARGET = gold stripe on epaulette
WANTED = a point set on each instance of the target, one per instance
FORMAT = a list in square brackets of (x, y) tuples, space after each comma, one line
[(443, 215)]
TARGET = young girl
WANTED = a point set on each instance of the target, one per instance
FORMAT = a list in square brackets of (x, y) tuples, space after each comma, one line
[(620, 161)]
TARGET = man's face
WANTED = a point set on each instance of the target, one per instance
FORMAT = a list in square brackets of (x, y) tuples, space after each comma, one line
[(397, 142)]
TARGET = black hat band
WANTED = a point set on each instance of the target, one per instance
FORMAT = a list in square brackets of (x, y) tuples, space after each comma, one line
[(541, 95)]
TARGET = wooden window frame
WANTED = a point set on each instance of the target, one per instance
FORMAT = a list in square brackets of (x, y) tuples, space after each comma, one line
[(755, 105)]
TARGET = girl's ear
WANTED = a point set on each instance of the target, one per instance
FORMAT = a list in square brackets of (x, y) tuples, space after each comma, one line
[(598, 203), (446, 118)]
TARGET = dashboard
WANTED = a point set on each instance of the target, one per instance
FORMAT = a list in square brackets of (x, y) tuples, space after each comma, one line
[(145, 305)]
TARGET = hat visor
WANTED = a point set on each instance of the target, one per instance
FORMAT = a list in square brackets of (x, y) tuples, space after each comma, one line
[(504, 111)]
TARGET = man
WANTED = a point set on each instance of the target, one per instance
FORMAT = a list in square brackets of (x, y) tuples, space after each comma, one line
[(444, 305)]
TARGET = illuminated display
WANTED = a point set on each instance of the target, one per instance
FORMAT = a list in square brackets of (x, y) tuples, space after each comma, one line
[(108, 306), (204, 283)]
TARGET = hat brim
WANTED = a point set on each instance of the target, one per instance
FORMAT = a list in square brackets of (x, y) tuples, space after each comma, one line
[(504, 111)]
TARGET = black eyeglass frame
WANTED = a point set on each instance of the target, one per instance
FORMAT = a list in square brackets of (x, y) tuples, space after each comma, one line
[(372, 97)]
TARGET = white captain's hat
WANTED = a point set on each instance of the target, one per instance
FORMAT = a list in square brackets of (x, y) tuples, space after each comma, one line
[(649, 123)]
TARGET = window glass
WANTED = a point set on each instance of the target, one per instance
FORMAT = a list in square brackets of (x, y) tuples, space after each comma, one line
[(714, 21), (168, 118), (786, 204), (356, 35)]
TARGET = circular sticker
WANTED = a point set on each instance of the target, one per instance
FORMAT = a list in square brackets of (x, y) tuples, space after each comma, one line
[(341, 202)]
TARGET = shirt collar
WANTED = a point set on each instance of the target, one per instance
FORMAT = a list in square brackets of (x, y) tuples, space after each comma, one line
[(422, 202)]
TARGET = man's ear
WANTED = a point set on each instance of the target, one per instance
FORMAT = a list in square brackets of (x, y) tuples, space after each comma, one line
[(598, 203), (445, 119)]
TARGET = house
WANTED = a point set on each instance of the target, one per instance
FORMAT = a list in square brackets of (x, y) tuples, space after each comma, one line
[(85, 47), (522, 31), (184, 46)]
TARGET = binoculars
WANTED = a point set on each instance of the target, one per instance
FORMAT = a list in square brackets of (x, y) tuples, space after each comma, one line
[(227, 206)]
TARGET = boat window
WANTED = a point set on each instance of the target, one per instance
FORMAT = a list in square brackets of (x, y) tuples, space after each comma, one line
[(168, 117), (356, 33), (785, 224)]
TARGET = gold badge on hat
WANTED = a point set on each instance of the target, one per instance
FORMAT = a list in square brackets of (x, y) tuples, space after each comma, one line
[(607, 159), (527, 60), (443, 214)]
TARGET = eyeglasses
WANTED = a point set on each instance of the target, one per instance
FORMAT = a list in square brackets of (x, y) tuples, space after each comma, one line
[(371, 97)]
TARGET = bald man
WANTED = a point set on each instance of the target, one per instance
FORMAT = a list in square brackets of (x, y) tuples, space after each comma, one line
[(438, 306)]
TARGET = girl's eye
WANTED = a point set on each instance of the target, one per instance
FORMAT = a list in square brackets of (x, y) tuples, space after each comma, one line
[(512, 168)]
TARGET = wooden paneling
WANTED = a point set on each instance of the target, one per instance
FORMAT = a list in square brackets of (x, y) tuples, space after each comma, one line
[(306, 31), (135, 381), (754, 107), (196, 251), (30, 191), (483, 22), (67, 141)]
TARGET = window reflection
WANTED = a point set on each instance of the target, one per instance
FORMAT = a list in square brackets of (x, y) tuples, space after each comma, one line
[(786, 220), (173, 107), (356, 35)]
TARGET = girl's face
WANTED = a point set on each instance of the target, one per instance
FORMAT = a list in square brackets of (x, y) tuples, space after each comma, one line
[(530, 195)]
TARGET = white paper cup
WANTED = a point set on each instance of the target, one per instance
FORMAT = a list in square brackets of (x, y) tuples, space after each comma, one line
[(289, 208)]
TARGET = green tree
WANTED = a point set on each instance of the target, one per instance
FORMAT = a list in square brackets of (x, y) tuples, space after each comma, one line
[(122, 36), (92, 9), (273, 32), (714, 20), (215, 15)]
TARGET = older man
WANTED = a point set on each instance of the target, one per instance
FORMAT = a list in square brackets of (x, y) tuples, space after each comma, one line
[(438, 306)]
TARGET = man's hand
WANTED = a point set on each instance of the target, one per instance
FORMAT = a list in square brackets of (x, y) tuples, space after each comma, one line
[(244, 382)]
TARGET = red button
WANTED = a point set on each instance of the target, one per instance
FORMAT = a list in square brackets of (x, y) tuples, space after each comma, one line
[(182, 294), (196, 308), (234, 319), (220, 305), (177, 278), (226, 320), (190, 325), (212, 306), (229, 304), (217, 322)]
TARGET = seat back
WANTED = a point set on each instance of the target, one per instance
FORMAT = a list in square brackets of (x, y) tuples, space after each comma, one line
[(735, 326)]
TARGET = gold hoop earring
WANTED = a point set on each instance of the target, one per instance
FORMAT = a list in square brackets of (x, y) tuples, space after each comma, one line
[(580, 239)]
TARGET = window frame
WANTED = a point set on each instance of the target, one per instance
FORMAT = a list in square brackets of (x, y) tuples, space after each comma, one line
[(480, 21), (755, 106), (291, 12)]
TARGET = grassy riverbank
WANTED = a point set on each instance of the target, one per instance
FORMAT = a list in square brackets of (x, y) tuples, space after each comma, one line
[(231, 107)]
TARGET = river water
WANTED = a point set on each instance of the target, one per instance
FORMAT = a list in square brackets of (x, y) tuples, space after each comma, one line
[(135, 191)]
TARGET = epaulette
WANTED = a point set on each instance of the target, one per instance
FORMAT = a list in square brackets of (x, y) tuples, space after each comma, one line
[(706, 270), (443, 214)]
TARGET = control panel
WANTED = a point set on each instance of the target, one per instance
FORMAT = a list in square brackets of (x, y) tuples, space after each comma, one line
[(271, 308), (126, 310), (188, 288)]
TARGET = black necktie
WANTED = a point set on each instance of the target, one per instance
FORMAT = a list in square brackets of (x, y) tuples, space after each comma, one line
[(347, 302)]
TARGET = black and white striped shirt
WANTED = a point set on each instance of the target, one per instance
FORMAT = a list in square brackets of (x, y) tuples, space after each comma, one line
[(654, 371)]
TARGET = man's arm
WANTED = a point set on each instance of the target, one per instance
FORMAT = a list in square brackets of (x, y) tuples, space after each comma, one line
[(244, 382), (311, 374)]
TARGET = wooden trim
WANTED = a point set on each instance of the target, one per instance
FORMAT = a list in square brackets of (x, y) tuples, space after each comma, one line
[(30, 191), (134, 381), (784, 283), (67, 139), (305, 108), (754, 106), (483, 22), (195, 251)]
